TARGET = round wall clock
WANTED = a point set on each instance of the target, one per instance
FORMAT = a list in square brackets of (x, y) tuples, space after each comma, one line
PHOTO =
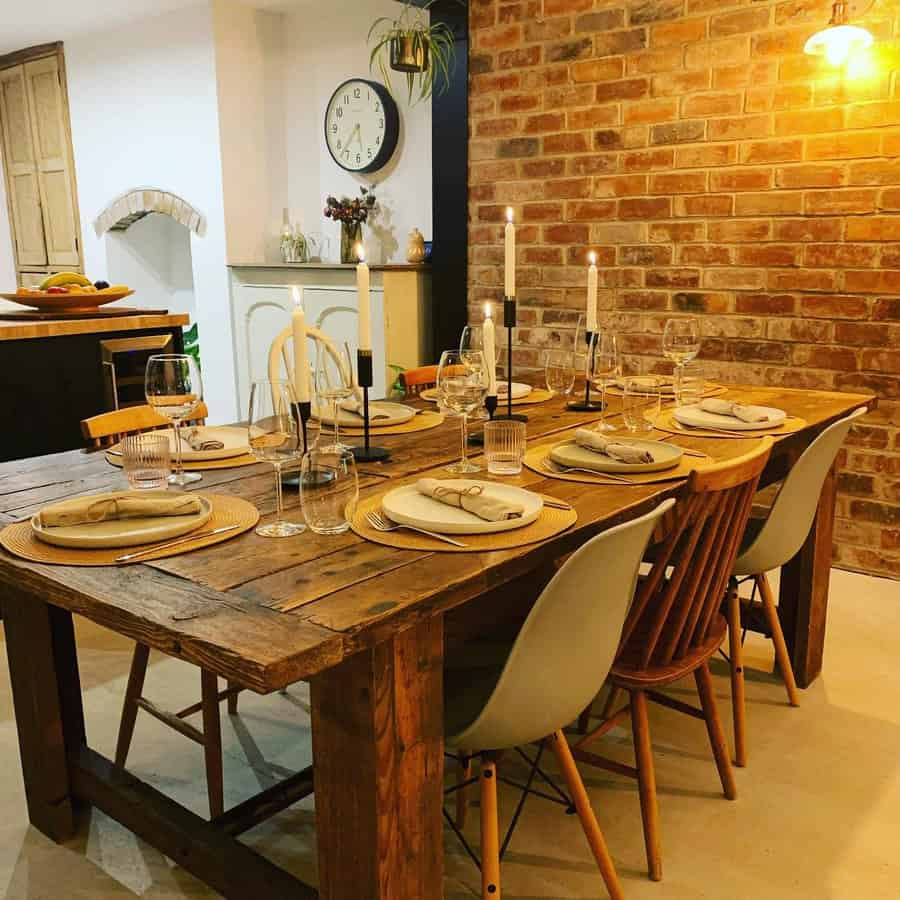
[(362, 124)]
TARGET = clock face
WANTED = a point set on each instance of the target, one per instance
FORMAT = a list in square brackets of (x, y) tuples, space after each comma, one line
[(361, 125)]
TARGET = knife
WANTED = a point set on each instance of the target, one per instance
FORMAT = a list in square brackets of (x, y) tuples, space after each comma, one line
[(182, 540)]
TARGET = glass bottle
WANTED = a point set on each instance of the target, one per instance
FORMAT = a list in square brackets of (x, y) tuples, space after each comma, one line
[(286, 242), (301, 250)]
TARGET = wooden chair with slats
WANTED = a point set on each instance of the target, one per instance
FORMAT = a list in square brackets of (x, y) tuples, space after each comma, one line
[(104, 430), (675, 624), (415, 381)]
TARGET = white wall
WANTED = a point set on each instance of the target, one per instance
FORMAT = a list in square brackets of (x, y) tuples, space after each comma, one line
[(144, 112)]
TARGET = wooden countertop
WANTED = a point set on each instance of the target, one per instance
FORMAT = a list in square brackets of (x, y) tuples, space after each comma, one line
[(41, 328), (374, 267)]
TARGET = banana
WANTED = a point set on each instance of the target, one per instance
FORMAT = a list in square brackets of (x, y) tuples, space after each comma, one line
[(62, 278)]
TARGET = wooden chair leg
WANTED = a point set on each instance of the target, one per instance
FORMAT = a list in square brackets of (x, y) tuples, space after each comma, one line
[(643, 751), (781, 652), (612, 698), (584, 720), (490, 831), (133, 692), (462, 795), (736, 663), (212, 742), (714, 729), (586, 814), (232, 700)]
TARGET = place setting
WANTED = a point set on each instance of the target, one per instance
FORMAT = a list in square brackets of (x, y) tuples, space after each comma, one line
[(721, 418)]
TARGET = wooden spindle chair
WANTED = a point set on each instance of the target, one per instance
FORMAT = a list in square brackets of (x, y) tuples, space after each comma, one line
[(105, 430), (675, 624), (415, 381)]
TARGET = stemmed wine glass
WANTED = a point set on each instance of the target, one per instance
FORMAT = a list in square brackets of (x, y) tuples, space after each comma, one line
[(334, 383), (462, 382), (274, 436), (471, 341), (607, 368), (681, 344), (174, 388), (559, 371)]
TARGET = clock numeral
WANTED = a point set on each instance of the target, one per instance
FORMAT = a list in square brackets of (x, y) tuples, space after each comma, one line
[(339, 144), (358, 158), (357, 93), (334, 127), (339, 112), (378, 139), (347, 153), (377, 106), (381, 123), (370, 152), (346, 99)]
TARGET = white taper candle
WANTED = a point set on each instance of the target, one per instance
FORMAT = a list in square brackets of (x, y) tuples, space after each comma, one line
[(592, 293), (298, 333), (509, 287), (490, 351), (362, 290)]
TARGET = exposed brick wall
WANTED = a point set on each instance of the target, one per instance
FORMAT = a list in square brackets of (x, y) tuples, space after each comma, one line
[(716, 170)]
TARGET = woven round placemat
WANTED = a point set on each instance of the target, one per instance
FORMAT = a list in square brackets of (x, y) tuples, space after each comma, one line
[(19, 540), (421, 422), (537, 395), (666, 422), (711, 390), (687, 464), (233, 462), (549, 523)]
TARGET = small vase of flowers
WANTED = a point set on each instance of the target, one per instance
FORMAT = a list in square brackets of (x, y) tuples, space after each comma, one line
[(351, 213)]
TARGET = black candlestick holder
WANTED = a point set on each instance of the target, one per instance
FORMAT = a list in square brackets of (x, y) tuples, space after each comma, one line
[(509, 322), (364, 374), (588, 405), (303, 412), (490, 404)]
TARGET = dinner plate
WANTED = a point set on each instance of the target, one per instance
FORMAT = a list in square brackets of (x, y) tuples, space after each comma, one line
[(406, 506), (234, 439), (665, 456), (694, 417), (519, 390), (124, 532), (665, 383), (397, 414)]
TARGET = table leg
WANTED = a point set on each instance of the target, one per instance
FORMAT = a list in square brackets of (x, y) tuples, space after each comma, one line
[(43, 668), (377, 722), (803, 595)]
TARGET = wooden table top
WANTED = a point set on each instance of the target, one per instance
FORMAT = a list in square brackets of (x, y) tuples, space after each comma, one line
[(212, 607), (15, 330)]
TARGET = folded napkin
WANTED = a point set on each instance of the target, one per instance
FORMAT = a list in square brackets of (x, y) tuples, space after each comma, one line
[(737, 410), (87, 510), (196, 441), (626, 453), (471, 497), (355, 405)]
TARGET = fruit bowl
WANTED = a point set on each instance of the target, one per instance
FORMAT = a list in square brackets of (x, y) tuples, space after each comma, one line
[(67, 303)]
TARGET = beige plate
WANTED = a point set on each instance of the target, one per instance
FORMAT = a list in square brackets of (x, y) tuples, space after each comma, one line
[(123, 532), (665, 456), (694, 417), (406, 506), (398, 414), (519, 390), (66, 302), (234, 439)]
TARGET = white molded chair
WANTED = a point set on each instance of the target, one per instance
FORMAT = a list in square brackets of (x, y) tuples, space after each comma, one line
[(280, 354), (552, 670), (769, 546)]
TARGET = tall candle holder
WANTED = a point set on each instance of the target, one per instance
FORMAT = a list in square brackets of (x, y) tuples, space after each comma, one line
[(365, 377), (591, 338), (490, 404), (509, 322), (303, 412)]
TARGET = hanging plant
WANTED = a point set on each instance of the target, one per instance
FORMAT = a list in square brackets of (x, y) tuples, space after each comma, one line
[(425, 53)]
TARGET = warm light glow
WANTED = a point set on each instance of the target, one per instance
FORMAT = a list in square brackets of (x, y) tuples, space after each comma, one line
[(509, 214), (487, 310), (837, 42), (297, 295), (592, 258), (361, 252)]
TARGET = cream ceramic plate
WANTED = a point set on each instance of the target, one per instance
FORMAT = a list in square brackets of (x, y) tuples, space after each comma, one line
[(665, 456), (519, 390), (124, 532), (397, 414), (406, 506), (694, 417), (234, 439), (665, 382)]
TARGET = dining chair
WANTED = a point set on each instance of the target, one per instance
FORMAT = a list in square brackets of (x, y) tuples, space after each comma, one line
[(102, 431), (280, 353), (770, 541), (675, 624), (527, 690), (415, 381)]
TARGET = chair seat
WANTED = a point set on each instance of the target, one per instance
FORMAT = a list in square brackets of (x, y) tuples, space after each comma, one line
[(628, 673)]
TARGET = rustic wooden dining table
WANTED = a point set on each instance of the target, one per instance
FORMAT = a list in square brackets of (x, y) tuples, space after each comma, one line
[(364, 623)]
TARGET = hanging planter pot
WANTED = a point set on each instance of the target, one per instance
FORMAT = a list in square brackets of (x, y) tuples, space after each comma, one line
[(409, 53)]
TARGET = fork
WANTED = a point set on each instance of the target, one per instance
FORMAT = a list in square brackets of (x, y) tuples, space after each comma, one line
[(687, 429), (380, 523), (557, 469)]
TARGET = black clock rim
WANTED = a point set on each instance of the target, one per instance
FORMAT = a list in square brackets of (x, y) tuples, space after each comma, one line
[(391, 126)]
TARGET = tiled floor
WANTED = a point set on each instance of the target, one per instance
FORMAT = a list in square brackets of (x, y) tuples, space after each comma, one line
[(817, 816)]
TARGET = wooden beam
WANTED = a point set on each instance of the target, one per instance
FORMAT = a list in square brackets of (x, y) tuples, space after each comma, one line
[(266, 804)]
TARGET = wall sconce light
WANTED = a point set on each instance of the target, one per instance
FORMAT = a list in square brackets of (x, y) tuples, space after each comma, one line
[(839, 39)]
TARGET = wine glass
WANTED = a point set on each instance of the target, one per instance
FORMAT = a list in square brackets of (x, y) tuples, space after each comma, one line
[(559, 371), (607, 368), (334, 383), (174, 388), (273, 433), (471, 341), (463, 384), (681, 343)]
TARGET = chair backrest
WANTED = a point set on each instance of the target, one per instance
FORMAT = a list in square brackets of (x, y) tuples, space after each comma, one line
[(280, 353), (109, 428), (677, 601), (563, 652), (415, 381), (792, 513)]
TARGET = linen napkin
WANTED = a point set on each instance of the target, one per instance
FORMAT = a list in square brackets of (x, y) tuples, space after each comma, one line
[(738, 410), (626, 453), (355, 405), (471, 497), (126, 505), (196, 441)]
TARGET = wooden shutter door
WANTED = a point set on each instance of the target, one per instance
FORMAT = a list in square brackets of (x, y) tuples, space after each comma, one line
[(21, 175), (51, 143)]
